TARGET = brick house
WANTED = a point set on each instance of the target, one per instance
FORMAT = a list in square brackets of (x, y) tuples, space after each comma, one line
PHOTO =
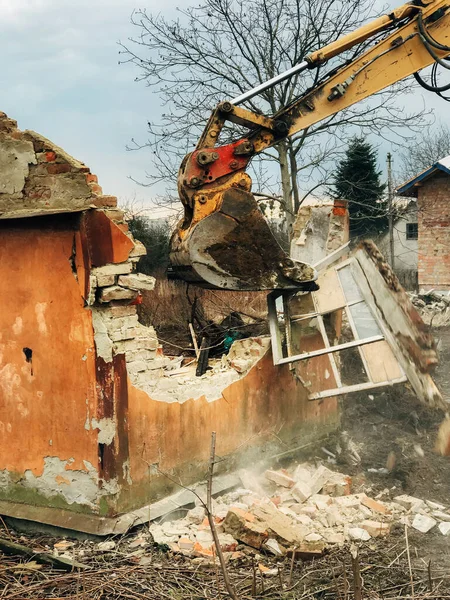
[(431, 188)]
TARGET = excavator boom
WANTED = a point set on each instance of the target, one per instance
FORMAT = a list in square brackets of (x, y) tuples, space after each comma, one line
[(224, 240)]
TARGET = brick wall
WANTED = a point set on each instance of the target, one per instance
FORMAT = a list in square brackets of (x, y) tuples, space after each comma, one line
[(434, 233)]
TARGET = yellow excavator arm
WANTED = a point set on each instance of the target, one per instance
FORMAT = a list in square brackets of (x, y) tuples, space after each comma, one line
[(224, 240)]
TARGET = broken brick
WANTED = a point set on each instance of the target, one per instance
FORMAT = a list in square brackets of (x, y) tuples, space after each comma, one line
[(50, 156), (376, 528), (242, 527), (374, 506), (116, 292), (280, 478), (301, 492)]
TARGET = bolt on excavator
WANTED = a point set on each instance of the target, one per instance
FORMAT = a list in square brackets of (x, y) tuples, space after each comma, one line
[(224, 241)]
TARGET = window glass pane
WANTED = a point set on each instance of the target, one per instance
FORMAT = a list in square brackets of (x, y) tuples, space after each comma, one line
[(412, 231), (351, 289), (338, 328), (365, 323)]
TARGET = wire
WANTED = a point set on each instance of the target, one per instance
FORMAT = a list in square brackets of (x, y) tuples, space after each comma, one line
[(431, 44)]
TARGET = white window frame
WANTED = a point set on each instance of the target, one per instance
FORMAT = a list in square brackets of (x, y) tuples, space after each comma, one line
[(277, 350)]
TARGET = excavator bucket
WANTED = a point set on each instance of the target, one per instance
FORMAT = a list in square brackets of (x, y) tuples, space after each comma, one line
[(233, 248)]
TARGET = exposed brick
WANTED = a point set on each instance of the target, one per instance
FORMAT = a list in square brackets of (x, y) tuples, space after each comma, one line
[(57, 168), (50, 156), (96, 189), (91, 178), (105, 201), (434, 232)]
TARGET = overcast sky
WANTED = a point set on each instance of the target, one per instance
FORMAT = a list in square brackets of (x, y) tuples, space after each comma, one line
[(61, 77)]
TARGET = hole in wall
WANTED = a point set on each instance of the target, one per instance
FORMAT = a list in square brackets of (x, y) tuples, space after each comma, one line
[(28, 357), (101, 455)]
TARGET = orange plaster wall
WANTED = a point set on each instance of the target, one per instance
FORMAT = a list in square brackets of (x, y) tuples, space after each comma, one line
[(268, 403), (43, 405)]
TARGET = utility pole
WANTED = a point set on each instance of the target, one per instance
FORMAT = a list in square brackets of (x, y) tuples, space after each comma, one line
[(391, 211)]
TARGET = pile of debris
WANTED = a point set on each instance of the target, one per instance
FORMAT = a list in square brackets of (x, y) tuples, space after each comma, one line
[(304, 511), (433, 307), (176, 381)]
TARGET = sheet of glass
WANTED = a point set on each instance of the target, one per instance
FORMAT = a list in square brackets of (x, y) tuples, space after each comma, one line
[(365, 323), (348, 282), (338, 328)]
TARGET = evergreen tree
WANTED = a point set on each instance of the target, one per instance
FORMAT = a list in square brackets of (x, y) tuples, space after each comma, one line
[(357, 180)]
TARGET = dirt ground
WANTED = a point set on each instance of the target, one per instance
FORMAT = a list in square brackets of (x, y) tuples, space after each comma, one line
[(392, 428), (388, 429)]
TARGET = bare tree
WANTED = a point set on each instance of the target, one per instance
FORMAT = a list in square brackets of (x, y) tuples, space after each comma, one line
[(222, 48), (424, 151)]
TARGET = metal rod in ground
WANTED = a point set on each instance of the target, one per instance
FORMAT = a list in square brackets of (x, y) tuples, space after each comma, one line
[(357, 581), (212, 524)]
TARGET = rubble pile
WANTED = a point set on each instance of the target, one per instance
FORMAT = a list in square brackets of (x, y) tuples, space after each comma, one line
[(305, 510), (174, 382), (433, 307)]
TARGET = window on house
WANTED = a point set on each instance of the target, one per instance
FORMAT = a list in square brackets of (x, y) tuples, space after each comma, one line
[(412, 231)]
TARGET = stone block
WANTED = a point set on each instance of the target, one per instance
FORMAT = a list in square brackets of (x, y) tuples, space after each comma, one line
[(113, 269), (121, 311), (124, 323), (423, 523), (138, 250), (273, 547), (321, 476), (409, 502), (126, 334), (301, 473), (279, 525), (444, 528), (280, 478), (358, 534), (105, 280), (140, 354), (301, 492), (137, 281), (441, 515), (338, 485), (116, 292), (352, 501)]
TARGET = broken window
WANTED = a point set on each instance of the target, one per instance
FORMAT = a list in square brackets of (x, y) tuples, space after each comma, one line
[(335, 321)]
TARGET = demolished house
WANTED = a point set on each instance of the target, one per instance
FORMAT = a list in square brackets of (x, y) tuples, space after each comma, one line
[(95, 425)]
